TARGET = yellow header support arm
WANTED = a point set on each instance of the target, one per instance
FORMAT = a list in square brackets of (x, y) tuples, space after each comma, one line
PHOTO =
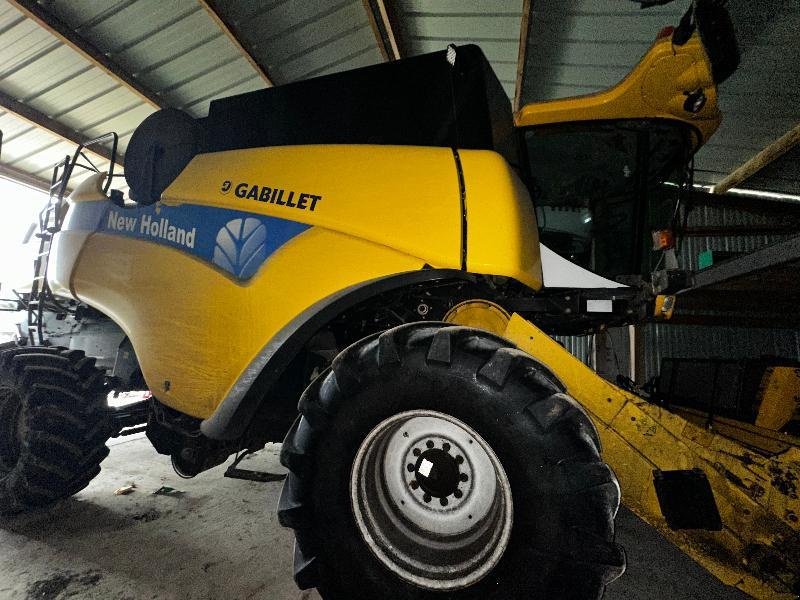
[(757, 495)]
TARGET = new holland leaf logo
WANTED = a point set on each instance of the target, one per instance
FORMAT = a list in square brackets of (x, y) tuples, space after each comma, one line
[(241, 247)]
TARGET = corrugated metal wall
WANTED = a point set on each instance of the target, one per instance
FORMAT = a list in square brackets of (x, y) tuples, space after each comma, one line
[(579, 345), (617, 351), (721, 216), (692, 341), (662, 340), (665, 340)]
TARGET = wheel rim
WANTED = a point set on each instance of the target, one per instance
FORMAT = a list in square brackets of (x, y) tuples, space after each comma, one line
[(11, 427), (431, 500)]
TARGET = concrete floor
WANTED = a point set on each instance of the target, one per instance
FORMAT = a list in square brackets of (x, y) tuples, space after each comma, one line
[(220, 539)]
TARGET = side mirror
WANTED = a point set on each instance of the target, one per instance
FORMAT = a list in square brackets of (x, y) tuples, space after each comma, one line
[(713, 22), (718, 36)]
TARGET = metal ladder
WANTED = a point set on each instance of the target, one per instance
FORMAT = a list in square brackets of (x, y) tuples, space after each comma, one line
[(51, 218)]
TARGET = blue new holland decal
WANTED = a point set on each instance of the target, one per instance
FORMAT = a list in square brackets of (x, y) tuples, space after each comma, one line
[(235, 241), (241, 246)]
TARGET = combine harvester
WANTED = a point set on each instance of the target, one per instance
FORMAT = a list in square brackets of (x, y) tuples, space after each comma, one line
[(367, 243)]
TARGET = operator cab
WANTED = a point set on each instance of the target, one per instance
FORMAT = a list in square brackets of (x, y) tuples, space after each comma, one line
[(601, 187)]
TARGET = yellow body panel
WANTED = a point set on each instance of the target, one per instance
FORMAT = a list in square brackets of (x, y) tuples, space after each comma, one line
[(502, 236), (780, 397), (761, 439), (377, 211), (196, 329), (753, 492), (656, 88), (403, 197)]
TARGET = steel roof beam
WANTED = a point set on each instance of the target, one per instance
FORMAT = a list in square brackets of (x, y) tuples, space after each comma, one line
[(24, 178), (524, 33), (381, 20), (227, 29), (41, 120), (757, 162), (65, 34)]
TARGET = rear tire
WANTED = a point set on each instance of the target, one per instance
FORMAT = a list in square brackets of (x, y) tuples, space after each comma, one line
[(54, 424), (565, 498)]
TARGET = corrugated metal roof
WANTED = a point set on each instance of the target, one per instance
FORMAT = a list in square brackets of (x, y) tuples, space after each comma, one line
[(430, 25), (761, 100), (177, 50), (782, 175), (37, 69), (297, 40), (586, 46), (174, 48)]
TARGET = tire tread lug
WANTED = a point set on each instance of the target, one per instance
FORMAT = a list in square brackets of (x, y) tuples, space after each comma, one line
[(441, 348), (388, 353), (499, 366)]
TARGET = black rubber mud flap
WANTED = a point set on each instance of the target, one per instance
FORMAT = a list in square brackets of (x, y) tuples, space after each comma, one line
[(687, 500)]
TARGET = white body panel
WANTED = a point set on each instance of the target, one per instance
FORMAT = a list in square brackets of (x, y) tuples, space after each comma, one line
[(67, 245), (558, 272)]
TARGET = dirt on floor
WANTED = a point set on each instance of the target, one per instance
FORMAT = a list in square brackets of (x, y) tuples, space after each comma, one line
[(211, 538)]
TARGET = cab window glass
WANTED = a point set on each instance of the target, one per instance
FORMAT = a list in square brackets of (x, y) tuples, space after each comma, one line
[(599, 188)]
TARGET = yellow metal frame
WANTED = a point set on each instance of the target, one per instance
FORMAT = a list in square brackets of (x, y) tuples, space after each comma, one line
[(656, 88), (779, 396), (756, 494), (664, 306), (481, 314)]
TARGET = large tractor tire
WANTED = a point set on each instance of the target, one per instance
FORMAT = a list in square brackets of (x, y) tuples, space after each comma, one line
[(434, 461), (54, 424)]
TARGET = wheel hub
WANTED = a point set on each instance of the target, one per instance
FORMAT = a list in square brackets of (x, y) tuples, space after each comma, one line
[(431, 500), (436, 472)]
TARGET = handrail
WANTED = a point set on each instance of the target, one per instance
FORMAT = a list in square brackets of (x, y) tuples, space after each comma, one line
[(40, 295)]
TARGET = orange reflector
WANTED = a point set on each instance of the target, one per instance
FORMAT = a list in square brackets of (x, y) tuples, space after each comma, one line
[(663, 239)]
